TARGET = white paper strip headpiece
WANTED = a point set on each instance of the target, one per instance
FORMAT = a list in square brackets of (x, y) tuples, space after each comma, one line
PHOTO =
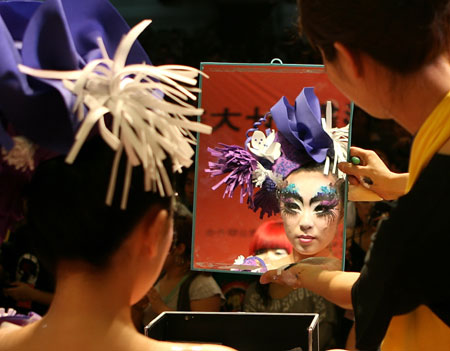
[(146, 126), (340, 142)]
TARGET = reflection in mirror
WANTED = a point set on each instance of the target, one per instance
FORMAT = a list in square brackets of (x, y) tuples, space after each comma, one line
[(279, 162), (270, 243)]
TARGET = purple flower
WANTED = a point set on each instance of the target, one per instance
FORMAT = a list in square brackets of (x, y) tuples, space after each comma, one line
[(238, 164)]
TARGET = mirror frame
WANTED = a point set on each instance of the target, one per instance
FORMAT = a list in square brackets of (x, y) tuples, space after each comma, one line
[(217, 179)]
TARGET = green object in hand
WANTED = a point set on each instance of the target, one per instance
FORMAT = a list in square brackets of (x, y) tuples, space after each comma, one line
[(355, 160)]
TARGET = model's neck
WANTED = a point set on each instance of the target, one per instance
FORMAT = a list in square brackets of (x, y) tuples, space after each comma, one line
[(84, 295), (89, 311), (420, 93), (296, 256)]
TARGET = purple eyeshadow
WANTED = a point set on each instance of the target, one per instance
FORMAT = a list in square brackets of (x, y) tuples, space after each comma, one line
[(330, 203)]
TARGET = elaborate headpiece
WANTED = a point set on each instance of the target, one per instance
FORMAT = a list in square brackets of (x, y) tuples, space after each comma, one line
[(72, 68), (268, 158)]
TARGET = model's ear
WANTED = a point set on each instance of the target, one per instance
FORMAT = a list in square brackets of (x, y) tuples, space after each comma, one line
[(349, 60), (156, 232)]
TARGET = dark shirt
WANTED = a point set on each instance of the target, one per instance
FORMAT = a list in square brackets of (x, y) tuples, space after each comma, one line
[(407, 263)]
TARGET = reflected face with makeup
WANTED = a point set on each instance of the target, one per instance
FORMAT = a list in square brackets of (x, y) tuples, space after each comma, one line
[(311, 212)]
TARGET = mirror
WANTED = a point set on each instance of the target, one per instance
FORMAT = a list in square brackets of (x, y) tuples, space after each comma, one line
[(234, 97)]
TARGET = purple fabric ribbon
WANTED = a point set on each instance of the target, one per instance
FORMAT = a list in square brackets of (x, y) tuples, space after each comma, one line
[(54, 35), (301, 124)]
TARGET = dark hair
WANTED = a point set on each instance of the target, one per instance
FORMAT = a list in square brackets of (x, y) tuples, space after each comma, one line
[(403, 35), (67, 208), (181, 180), (182, 229)]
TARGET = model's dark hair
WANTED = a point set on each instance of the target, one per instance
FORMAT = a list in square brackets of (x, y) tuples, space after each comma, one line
[(67, 209), (403, 35)]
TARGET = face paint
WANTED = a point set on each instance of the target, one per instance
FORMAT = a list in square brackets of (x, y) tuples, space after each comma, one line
[(310, 209), (289, 189)]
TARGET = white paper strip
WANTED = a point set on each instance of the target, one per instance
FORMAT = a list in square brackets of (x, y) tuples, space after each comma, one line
[(340, 141), (148, 128)]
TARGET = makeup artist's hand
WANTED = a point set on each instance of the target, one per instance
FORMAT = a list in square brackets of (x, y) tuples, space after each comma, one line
[(291, 275), (374, 175)]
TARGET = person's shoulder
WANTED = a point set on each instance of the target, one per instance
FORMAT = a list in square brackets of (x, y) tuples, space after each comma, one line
[(432, 180), (170, 346), (203, 278), (11, 337), (436, 170), (204, 285)]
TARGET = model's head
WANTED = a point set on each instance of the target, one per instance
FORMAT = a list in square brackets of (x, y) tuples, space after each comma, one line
[(269, 241), (108, 94), (67, 207), (401, 35), (311, 205), (139, 135)]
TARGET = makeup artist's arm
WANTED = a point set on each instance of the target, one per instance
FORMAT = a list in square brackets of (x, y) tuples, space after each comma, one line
[(334, 285), (387, 184)]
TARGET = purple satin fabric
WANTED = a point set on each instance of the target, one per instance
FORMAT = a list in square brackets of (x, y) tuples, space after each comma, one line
[(52, 35), (55, 35)]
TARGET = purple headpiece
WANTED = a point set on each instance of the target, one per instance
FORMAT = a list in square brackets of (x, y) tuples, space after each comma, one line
[(268, 158), (69, 69)]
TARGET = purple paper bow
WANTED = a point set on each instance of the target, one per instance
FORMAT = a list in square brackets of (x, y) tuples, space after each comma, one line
[(301, 127), (53, 35)]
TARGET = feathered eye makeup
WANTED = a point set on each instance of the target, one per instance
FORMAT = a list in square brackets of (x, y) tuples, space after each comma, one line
[(290, 199), (324, 203), (327, 200)]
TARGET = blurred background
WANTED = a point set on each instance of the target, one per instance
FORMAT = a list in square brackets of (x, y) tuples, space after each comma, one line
[(192, 31), (247, 31)]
